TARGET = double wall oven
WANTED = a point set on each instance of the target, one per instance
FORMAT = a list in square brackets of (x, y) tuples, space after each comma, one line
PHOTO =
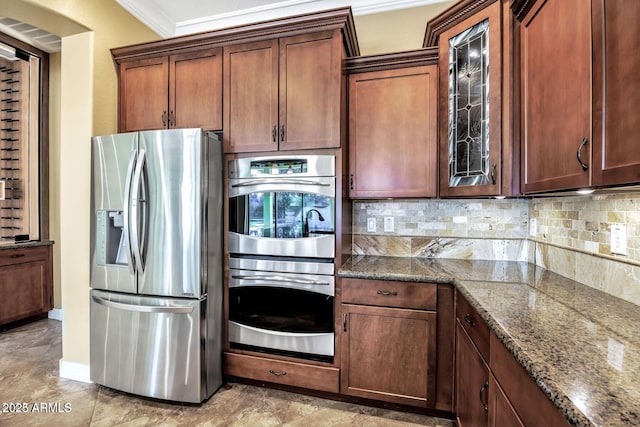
[(281, 243)]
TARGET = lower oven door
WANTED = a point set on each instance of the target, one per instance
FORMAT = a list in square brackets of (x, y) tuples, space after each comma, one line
[(282, 313)]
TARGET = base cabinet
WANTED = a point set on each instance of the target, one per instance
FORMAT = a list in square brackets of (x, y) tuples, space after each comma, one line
[(26, 285), (492, 388), (389, 354)]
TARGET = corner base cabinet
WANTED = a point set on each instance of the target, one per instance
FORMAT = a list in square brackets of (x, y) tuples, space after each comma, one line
[(26, 283)]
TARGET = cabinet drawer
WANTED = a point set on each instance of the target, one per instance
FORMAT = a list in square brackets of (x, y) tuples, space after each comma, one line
[(473, 324), (22, 255), (387, 293), (277, 371)]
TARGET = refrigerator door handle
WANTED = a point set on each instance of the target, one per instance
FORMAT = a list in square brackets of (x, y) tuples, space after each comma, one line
[(126, 213), (141, 308), (135, 213)]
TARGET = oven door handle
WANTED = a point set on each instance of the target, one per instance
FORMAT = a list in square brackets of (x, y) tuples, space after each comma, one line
[(280, 181), (281, 279)]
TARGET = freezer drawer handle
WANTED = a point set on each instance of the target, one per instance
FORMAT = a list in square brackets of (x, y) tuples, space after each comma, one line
[(142, 308), (281, 279)]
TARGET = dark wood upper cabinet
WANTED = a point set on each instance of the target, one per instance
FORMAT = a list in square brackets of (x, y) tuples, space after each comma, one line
[(616, 89), (393, 127), (176, 91), (556, 98), (289, 90), (478, 136), (251, 97)]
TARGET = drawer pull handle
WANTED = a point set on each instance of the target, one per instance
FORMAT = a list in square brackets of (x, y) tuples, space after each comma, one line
[(387, 293), (470, 320), (484, 388), (277, 373), (17, 256)]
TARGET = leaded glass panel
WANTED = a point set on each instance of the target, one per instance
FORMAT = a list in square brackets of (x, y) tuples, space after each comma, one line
[(469, 106)]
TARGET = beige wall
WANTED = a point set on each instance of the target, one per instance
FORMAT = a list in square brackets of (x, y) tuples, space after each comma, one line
[(395, 31)]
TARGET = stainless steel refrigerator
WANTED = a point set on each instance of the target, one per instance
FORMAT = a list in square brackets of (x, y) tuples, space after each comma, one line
[(156, 263)]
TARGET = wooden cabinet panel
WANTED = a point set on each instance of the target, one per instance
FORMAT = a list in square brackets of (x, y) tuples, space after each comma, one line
[(26, 283), (472, 382), (251, 97), (144, 93), (556, 101), (474, 325), (393, 133), (195, 82), (616, 35), (528, 400), (283, 93), (281, 372), (310, 89), (501, 413), (385, 293), (389, 354)]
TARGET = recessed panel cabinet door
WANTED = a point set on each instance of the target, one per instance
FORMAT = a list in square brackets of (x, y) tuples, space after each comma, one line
[(196, 90), (393, 133), (144, 94), (251, 97), (556, 96), (472, 382), (389, 354), (310, 88), (616, 91)]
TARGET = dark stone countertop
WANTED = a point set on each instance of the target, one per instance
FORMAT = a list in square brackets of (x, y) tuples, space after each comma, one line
[(580, 345), (27, 244)]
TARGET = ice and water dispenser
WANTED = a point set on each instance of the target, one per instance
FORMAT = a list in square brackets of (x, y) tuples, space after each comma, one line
[(110, 238)]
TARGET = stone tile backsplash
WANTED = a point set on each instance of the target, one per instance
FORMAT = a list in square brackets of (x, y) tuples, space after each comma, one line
[(572, 234)]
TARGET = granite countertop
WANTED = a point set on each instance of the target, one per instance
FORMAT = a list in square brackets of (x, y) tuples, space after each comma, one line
[(580, 345), (27, 244)]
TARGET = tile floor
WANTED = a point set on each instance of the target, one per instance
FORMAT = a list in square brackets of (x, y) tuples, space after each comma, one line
[(29, 358)]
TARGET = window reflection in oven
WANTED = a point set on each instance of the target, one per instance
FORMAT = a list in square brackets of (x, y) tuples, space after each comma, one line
[(282, 215)]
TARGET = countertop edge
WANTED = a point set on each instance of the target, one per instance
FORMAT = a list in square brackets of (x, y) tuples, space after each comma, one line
[(28, 244)]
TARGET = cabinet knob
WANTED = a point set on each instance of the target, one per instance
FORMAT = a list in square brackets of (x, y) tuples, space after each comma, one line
[(584, 142)]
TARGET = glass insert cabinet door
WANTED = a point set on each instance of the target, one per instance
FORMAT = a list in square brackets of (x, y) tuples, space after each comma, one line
[(471, 55)]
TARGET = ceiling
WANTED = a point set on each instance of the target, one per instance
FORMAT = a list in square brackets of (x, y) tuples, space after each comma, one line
[(171, 18)]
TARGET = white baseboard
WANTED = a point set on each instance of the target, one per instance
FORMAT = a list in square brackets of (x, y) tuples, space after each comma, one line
[(75, 371), (55, 314)]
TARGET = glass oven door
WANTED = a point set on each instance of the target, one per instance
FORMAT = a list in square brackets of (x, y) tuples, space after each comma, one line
[(282, 216), (282, 312)]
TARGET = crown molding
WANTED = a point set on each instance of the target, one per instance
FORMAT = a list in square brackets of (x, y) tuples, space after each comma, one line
[(149, 12)]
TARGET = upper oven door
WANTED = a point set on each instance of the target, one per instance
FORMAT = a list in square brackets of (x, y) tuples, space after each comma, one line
[(282, 216)]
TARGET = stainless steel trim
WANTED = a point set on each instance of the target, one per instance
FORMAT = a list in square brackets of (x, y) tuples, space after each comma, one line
[(135, 238), (280, 279), (317, 165), (311, 343), (307, 282), (125, 211), (322, 186), (282, 266), (280, 181), (141, 308), (310, 247)]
